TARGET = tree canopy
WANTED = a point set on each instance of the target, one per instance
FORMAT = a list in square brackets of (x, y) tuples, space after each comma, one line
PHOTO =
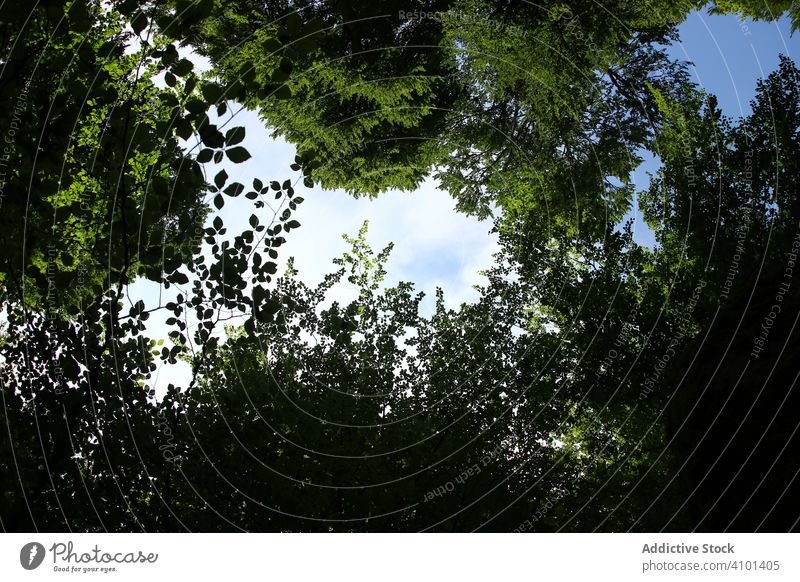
[(596, 384)]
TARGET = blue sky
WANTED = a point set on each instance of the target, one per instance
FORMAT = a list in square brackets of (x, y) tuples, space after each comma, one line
[(728, 56), (434, 245)]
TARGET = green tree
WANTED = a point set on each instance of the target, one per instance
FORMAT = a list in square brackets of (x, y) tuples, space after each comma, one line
[(97, 189), (761, 10), (522, 106), (582, 391), (725, 204)]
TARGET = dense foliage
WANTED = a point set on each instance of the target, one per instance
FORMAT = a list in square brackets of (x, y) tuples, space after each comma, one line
[(595, 385)]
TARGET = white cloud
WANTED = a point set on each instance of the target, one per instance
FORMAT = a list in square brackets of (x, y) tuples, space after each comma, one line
[(434, 245)]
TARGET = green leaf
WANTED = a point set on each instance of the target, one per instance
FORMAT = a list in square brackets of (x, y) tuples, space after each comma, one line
[(235, 89), (279, 77), (282, 92), (219, 202), (128, 7), (198, 108), (182, 67), (212, 92), (211, 136), (234, 135), (220, 178), (234, 189), (190, 84), (271, 45), (238, 154), (180, 278), (293, 22), (183, 128), (205, 155), (170, 54), (286, 65), (138, 23)]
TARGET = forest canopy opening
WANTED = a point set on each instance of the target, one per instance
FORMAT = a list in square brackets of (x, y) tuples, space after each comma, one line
[(591, 381)]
